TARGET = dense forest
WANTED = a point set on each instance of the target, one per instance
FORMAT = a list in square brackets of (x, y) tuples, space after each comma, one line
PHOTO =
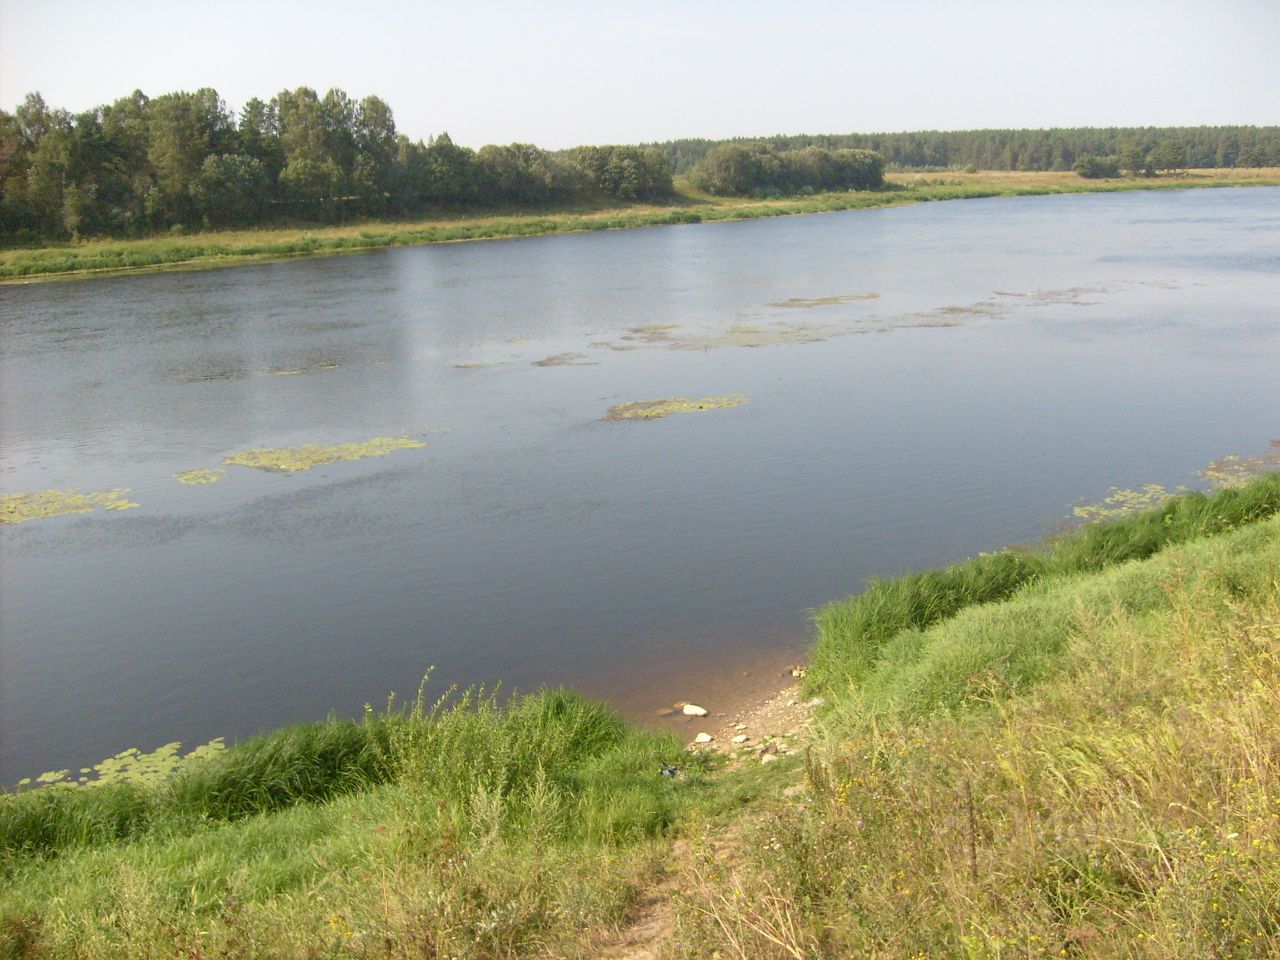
[(183, 160), (1135, 148), (741, 169)]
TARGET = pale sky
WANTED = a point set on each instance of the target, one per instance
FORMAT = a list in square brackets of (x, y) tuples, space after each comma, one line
[(562, 72)]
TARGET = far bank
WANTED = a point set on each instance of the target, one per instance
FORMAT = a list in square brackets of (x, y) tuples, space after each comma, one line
[(206, 250)]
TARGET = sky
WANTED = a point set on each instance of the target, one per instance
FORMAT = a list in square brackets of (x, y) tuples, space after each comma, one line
[(562, 72)]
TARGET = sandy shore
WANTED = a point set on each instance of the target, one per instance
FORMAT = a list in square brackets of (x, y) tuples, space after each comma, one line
[(755, 694)]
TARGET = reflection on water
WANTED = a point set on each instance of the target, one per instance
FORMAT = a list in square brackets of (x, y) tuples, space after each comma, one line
[(1027, 353)]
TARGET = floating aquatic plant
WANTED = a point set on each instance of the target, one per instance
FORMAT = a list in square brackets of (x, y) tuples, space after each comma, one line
[(20, 507), (657, 409), (201, 476), (1124, 501), (1229, 471), (1236, 471), (803, 302), (297, 459), (128, 766), (565, 360)]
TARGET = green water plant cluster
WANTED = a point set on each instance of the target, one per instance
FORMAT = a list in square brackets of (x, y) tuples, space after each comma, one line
[(21, 507), (200, 477), (658, 409), (298, 459)]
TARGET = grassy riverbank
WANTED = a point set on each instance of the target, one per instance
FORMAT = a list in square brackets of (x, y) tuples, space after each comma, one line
[(227, 248), (1068, 751)]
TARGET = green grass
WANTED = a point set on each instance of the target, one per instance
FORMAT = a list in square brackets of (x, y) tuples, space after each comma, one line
[(224, 248), (852, 634), (507, 825)]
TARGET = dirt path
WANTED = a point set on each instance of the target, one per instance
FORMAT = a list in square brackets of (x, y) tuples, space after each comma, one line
[(765, 731)]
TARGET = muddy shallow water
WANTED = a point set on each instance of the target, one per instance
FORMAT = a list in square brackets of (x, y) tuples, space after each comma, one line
[(923, 383)]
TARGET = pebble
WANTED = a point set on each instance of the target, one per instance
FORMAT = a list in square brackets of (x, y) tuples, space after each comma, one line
[(693, 710), (703, 737), (769, 758), (739, 726), (741, 738)]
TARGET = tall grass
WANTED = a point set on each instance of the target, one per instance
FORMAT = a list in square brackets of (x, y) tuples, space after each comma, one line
[(852, 633), (461, 827), (1124, 802), (446, 749), (309, 762)]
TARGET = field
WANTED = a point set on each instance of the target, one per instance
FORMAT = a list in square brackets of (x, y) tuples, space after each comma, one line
[(229, 248)]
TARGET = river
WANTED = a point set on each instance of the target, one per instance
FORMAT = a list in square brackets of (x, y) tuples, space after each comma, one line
[(921, 383)]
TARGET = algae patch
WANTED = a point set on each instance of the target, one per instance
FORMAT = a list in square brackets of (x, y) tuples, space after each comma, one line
[(565, 360), (657, 409), (20, 507), (200, 476), (297, 459), (800, 303)]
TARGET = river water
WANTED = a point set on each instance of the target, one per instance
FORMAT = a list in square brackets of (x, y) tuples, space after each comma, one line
[(923, 383)]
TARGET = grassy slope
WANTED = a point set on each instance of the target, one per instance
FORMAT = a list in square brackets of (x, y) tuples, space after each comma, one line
[(1087, 765), (1090, 768), (223, 248)]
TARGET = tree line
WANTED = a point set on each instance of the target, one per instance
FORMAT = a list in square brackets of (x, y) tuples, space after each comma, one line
[(1135, 148), (184, 160), (738, 169)]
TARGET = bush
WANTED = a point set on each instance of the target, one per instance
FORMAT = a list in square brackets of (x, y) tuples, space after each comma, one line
[(1097, 168)]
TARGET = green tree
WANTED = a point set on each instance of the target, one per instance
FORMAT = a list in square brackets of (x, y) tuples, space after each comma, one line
[(231, 189), (1169, 154), (184, 129)]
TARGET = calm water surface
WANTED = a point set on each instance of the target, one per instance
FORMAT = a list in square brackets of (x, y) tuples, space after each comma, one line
[(1017, 355)]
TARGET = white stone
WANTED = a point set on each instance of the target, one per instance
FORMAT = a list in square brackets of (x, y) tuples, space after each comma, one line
[(769, 758), (703, 738), (693, 710), (741, 738)]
